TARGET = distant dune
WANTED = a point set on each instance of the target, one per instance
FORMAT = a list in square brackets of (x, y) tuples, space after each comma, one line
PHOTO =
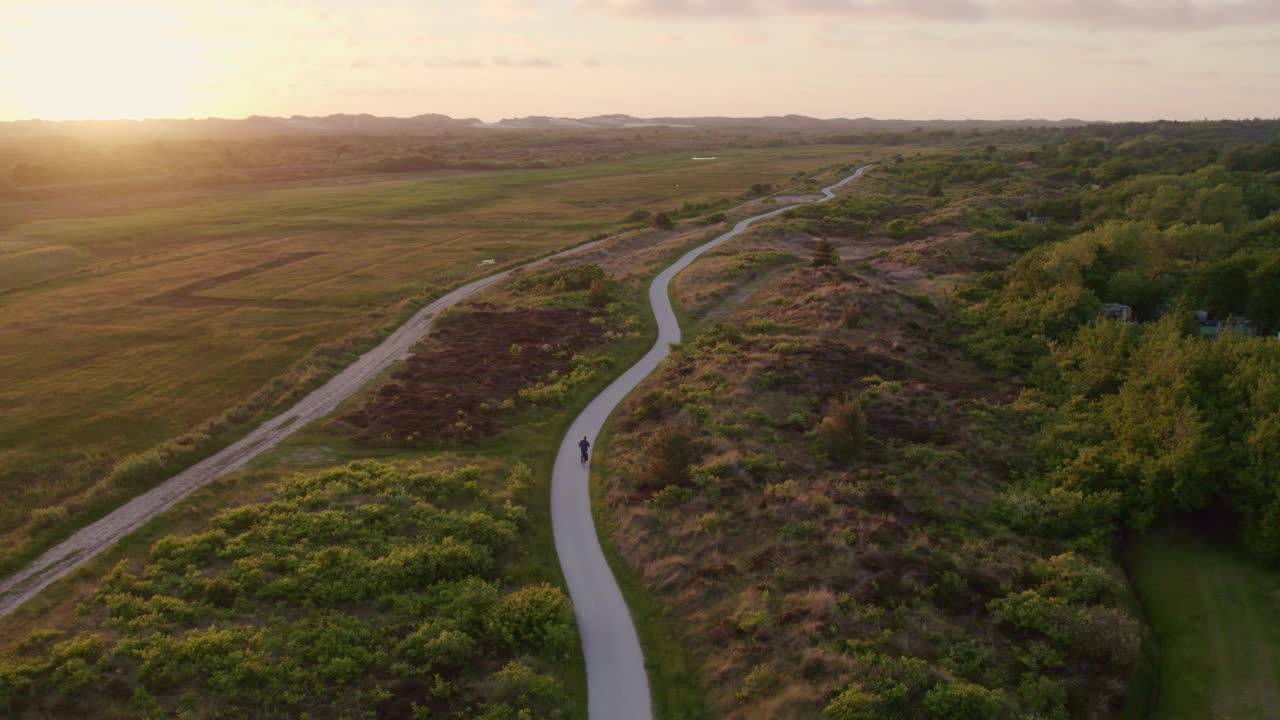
[(258, 126)]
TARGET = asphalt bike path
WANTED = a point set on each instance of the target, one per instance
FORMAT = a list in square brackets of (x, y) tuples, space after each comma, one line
[(617, 684)]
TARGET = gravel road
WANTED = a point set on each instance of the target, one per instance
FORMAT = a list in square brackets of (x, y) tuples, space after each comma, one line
[(617, 684)]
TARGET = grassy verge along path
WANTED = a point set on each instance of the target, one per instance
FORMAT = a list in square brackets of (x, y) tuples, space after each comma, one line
[(1216, 615)]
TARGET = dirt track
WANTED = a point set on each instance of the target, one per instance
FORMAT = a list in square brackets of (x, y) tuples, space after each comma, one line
[(102, 534)]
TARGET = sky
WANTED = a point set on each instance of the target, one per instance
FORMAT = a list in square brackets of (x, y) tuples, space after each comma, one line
[(916, 59)]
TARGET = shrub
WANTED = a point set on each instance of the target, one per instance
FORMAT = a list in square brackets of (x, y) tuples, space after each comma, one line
[(1043, 695), (518, 683), (853, 703), (842, 432), (758, 682), (963, 701), (537, 616), (760, 466), (899, 228), (571, 278), (430, 649), (799, 532), (670, 452), (671, 496), (598, 293), (825, 255), (45, 517), (662, 221)]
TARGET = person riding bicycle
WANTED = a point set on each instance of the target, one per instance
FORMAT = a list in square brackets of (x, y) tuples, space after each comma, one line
[(585, 446)]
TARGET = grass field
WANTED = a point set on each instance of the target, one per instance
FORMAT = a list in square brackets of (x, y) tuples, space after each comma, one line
[(1216, 615), (125, 327)]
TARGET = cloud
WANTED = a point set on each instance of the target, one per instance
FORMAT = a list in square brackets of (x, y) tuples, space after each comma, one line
[(533, 62), (677, 8), (966, 10), (1149, 14), (1236, 43), (445, 64), (1187, 15), (499, 62)]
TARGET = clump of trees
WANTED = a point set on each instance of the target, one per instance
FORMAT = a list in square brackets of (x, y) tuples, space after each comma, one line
[(1143, 422), (570, 278)]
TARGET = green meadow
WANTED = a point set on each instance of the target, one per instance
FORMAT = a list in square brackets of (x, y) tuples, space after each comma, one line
[(1213, 612)]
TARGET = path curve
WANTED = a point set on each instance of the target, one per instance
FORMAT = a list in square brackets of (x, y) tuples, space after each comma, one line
[(92, 539), (617, 684)]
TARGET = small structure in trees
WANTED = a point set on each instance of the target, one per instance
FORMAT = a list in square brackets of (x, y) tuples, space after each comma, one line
[(1211, 326), (1037, 220), (1116, 311), (825, 255)]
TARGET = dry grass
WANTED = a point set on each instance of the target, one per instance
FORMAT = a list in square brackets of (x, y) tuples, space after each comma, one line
[(123, 324)]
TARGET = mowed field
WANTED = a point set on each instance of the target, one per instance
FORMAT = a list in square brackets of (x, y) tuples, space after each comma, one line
[(1216, 615), (123, 327)]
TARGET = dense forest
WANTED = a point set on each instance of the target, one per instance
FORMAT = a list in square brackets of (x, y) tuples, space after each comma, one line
[(1142, 419)]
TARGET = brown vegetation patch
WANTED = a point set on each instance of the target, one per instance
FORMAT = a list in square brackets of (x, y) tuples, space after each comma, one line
[(947, 251), (453, 387), (188, 295)]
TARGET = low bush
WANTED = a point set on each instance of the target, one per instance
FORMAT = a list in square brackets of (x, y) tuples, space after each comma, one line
[(325, 601)]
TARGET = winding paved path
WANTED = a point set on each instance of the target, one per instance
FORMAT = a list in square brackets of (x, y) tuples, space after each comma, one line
[(105, 532), (617, 685)]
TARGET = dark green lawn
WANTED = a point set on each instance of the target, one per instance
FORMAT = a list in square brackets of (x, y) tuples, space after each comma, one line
[(1216, 615)]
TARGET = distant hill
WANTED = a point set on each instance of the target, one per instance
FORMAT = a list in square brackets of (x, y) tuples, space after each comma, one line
[(363, 124)]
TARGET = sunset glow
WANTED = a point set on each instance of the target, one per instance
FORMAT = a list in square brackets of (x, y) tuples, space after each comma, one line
[(1119, 59)]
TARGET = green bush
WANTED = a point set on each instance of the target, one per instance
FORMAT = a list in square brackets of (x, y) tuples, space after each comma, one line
[(348, 584), (537, 616), (964, 701), (46, 517), (853, 703)]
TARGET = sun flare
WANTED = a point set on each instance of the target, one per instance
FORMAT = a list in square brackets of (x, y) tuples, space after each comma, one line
[(78, 61)]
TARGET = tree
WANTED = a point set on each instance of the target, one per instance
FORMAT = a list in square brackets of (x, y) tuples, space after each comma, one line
[(935, 190), (669, 453), (1222, 205), (1200, 242), (843, 431), (1264, 294), (598, 293), (825, 255), (662, 221)]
